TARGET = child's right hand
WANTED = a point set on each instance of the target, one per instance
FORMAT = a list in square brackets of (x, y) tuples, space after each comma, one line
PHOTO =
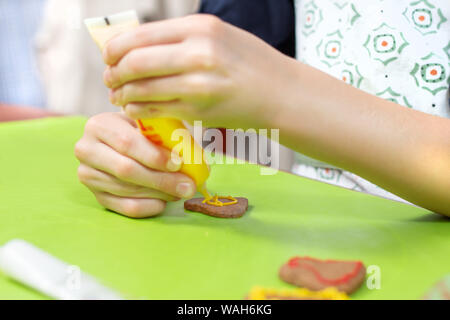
[(127, 173)]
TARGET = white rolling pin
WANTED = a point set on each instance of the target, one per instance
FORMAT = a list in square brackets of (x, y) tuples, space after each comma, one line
[(47, 274)]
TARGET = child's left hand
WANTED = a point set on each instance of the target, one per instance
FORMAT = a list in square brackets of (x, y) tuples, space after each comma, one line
[(197, 68)]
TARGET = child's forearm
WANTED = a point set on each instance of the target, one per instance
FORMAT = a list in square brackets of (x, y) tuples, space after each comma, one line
[(198, 67), (403, 151)]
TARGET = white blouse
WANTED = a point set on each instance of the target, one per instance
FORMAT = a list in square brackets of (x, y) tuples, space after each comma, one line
[(398, 50)]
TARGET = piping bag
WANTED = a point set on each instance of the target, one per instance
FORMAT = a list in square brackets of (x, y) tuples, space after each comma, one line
[(159, 130)]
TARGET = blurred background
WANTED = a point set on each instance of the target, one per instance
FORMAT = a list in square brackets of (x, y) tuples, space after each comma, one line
[(49, 62), (48, 59)]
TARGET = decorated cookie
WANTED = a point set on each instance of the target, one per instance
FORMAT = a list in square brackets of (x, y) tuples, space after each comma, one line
[(258, 293), (229, 208), (440, 291), (315, 274)]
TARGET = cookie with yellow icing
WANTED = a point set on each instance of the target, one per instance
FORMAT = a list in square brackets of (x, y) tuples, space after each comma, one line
[(259, 293), (229, 207)]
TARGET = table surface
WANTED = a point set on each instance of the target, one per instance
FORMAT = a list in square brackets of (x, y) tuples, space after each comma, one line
[(16, 113), (183, 255)]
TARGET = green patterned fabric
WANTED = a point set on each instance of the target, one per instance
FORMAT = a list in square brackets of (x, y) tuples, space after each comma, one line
[(183, 255), (398, 50)]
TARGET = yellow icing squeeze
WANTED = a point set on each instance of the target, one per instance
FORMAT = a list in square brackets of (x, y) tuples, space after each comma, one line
[(258, 293), (159, 131), (214, 201)]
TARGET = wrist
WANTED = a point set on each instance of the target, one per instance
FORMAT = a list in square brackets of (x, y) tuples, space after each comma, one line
[(287, 111)]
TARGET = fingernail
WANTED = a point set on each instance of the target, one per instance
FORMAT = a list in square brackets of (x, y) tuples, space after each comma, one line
[(185, 190), (174, 163)]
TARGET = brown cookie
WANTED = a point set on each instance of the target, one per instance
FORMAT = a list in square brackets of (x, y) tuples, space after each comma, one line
[(236, 210), (316, 274)]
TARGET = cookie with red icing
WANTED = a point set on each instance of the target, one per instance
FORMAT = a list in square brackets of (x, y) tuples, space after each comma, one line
[(316, 274), (440, 291)]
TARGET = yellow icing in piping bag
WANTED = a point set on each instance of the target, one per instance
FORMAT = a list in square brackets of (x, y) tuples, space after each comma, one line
[(159, 131)]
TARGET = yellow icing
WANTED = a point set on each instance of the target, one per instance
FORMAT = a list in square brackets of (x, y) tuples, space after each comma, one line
[(214, 201), (160, 131), (259, 293), (202, 189)]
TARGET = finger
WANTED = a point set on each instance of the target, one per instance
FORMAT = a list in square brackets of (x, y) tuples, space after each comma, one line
[(170, 109), (147, 62), (160, 89), (169, 88), (127, 169), (128, 141), (162, 32), (149, 34), (160, 60), (97, 180), (131, 207)]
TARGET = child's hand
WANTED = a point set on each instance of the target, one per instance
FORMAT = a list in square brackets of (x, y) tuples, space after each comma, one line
[(127, 173), (196, 68)]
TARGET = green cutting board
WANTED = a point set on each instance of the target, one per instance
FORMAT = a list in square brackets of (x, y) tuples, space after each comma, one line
[(183, 255)]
